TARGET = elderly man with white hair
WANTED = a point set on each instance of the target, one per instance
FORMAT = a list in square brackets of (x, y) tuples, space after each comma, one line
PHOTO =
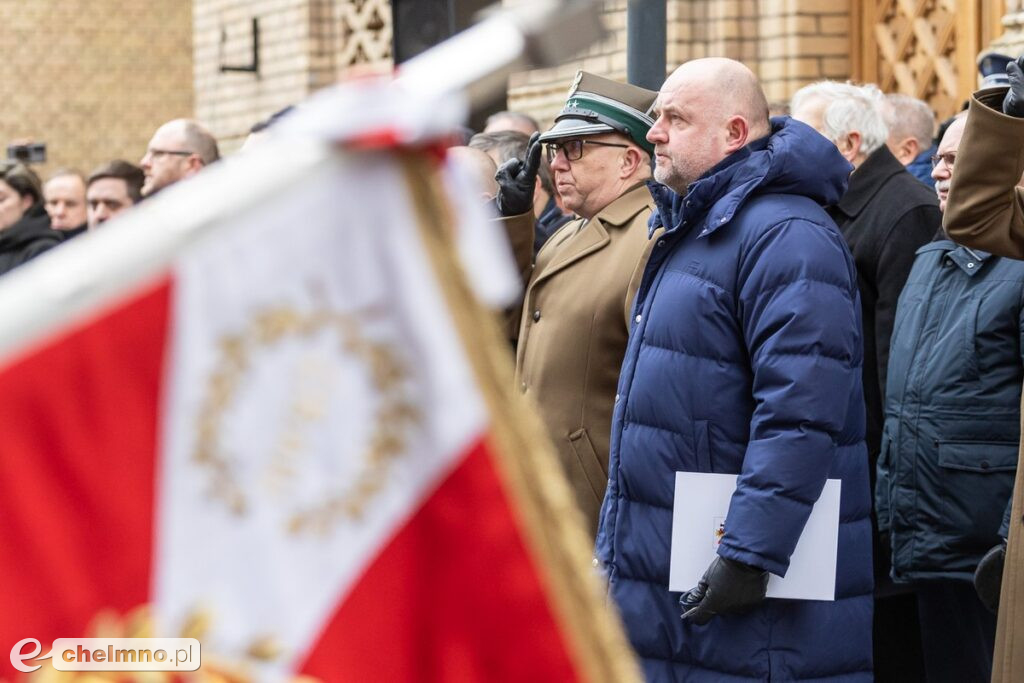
[(885, 216)]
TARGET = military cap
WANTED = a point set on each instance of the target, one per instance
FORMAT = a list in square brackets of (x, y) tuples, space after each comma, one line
[(992, 67), (597, 105)]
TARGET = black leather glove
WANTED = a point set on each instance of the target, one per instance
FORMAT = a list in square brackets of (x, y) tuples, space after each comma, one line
[(1013, 103), (988, 577), (516, 180), (728, 587)]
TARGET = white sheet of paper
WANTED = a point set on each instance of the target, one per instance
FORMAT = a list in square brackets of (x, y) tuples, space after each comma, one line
[(701, 503)]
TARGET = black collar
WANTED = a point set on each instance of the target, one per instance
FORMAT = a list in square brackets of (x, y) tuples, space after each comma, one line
[(868, 179)]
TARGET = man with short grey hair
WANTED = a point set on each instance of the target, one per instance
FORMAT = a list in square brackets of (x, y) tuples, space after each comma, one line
[(911, 124), (512, 120), (885, 216), (178, 149)]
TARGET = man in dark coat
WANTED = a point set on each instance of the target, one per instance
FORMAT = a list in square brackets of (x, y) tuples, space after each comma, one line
[(952, 427), (744, 358), (985, 210), (885, 215)]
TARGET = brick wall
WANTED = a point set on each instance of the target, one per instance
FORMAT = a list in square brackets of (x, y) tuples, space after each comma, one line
[(801, 41), (542, 92), (304, 45), (788, 43), (93, 78)]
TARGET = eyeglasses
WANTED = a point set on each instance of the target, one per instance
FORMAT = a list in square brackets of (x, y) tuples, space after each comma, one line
[(152, 152), (948, 157), (573, 149)]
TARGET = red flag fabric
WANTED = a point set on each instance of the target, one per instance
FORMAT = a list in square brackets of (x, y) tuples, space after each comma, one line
[(279, 435)]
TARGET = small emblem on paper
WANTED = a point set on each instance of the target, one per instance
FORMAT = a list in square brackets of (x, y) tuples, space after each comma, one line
[(719, 527)]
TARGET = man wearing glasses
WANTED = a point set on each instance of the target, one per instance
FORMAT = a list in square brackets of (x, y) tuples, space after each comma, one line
[(179, 149), (985, 210), (576, 309), (951, 435)]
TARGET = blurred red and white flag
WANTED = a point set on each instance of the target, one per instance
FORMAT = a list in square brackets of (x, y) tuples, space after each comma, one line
[(258, 412)]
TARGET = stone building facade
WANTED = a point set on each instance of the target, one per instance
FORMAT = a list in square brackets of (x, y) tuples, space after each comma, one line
[(788, 43), (924, 49), (93, 78), (304, 45)]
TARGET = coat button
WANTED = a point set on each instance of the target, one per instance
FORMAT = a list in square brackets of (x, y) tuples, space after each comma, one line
[(984, 464), (970, 264), (661, 243), (616, 398), (638, 319), (523, 386), (536, 315)]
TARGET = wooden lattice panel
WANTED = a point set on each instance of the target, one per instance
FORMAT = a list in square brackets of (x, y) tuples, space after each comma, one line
[(925, 48), (916, 44)]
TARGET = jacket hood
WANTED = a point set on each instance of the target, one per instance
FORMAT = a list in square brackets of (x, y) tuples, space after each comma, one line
[(793, 159)]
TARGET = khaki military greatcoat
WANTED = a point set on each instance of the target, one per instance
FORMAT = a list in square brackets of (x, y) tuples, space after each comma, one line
[(573, 332), (985, 210)]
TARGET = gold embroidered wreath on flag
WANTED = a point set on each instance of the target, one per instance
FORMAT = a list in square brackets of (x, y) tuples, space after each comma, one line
[(395, 416)]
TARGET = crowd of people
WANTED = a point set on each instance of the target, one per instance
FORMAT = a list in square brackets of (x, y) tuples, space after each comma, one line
[(774, 298), (707, 288), (36, 216)]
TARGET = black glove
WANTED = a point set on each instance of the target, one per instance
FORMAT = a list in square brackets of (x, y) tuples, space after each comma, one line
[(728, 587), (988, 577), (1013, 103), (516, 180)]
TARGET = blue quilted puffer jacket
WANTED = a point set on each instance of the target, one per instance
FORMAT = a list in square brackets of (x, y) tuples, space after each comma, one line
[(745, 357)]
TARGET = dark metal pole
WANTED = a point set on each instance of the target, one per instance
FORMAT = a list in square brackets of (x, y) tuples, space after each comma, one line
[(645, 43)]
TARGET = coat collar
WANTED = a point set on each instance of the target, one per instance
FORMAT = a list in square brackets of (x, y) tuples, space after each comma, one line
[(574, 242), (626, 207), (970, 261), (867, 180), (703, 195)]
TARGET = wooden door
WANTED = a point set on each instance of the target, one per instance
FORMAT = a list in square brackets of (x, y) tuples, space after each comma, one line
[(924, 48)]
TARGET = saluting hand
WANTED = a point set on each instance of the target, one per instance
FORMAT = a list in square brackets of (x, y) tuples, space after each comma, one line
[(516, 180), (1013, 103)]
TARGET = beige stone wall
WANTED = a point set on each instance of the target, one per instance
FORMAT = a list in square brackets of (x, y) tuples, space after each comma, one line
[(93, 78), (304, 45), (542, 92), (788, 43), (801, 41)]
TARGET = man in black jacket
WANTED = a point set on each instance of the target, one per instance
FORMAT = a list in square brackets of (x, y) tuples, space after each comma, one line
[(885, 216)]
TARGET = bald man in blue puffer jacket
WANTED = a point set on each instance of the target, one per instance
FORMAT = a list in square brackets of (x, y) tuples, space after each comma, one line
[(744, 357)]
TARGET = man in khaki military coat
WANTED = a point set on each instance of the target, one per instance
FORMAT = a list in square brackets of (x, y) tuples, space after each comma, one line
[(575, 314), (985, 210)]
